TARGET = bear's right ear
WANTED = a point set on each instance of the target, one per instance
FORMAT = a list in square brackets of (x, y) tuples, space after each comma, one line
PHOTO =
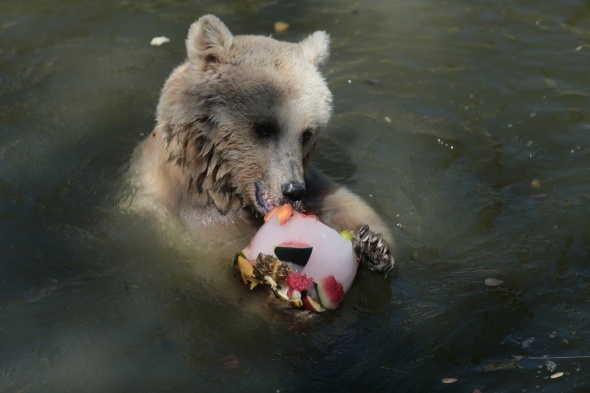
[(208, 41), (316, 47)]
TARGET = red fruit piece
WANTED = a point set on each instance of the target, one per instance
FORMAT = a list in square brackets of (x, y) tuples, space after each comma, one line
[(330, 292), (298, 281), (311, 215)]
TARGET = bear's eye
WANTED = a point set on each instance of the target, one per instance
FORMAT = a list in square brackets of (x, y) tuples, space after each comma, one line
[(265, 130), (306, 136)]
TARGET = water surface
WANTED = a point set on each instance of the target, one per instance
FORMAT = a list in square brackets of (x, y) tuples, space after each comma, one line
[(471, 140)]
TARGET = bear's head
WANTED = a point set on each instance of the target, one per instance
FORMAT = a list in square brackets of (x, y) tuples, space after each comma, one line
[(243, 114)]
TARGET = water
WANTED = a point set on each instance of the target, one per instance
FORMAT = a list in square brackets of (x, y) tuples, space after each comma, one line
[(473, 144)]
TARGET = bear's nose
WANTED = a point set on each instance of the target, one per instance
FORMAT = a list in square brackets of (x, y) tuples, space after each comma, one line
[(293, 191)]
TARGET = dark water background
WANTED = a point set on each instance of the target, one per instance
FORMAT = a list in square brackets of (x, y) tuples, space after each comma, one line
[(474, 145)]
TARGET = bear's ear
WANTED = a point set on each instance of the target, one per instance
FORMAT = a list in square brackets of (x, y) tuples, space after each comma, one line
[(316, 47), (208, 41)]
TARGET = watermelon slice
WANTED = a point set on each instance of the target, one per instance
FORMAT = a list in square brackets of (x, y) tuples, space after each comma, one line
[(330, 292), (297, 253)]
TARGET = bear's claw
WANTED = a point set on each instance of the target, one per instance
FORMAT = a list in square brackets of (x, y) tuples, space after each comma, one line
[(372, 251)]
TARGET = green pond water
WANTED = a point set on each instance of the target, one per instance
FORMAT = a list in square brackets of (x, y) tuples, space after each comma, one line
[(465, 124)]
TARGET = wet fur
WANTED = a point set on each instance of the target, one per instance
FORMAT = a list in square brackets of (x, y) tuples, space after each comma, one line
[(210, 160)]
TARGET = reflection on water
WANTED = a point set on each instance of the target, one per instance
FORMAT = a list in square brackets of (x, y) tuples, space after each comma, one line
[(471, 139)]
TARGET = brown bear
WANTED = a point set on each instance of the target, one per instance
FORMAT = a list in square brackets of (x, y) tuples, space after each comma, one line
[(237, 125)]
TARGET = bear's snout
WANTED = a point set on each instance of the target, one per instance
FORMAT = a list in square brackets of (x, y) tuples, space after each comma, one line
[(293, 191)]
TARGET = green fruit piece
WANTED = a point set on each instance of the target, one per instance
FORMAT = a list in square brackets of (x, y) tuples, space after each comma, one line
[(297, 254), (346, 234)]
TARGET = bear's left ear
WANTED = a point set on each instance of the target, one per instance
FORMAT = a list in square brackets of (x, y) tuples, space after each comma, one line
[(316, 47), (208, 40)]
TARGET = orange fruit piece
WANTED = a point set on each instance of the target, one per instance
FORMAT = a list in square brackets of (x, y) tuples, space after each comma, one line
[(246, 271), (271, 213), (284, 213)]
